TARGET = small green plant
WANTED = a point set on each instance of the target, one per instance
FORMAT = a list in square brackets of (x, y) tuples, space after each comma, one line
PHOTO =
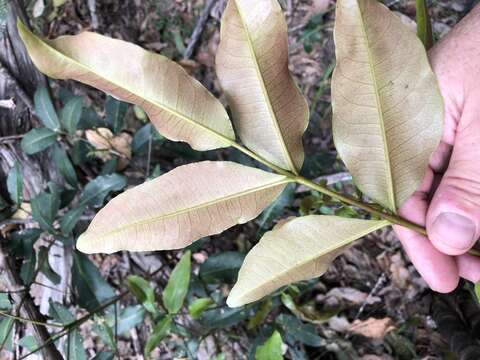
[(387, 120)]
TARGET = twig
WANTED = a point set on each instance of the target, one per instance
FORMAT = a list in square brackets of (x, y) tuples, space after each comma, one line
[(16, 222), (197, 32), (19, 318), (73, 325), (330, 179), (380, 281), (29, 310), (11, 138), (92, 7)]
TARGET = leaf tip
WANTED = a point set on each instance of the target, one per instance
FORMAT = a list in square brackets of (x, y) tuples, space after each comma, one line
[(235, 300), (22, 29), (86, 245)]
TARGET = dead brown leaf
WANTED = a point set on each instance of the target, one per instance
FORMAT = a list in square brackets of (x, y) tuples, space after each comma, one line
[(372, 327)]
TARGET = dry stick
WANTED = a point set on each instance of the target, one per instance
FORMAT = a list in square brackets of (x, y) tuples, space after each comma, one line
[(197, 32), (92, 7), (74, 325), (29, 310)]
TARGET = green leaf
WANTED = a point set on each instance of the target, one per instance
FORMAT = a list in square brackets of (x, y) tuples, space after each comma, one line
[(65, 166), (298, 331), (140, 114), (5, 302), (46, 269), (89, 287), (60, 313), (141, 138), (297, 250), (80, 152), (271, 349), (21, 245), (225, 318), (424, 25), (98, 189), (222, 267), (260, 315), (28, 342), (6, 333), (15, 184), (127, 319), (104, 355), (477, 291), (74, 348), (115, 113), (27, 271), (110, 166), (45, 110), (105, 331), (90, 119), (37, 140), (177, 287), (70, 219), (160, 331), (197, 307), (44, 209), (71, 114), (144, 293)]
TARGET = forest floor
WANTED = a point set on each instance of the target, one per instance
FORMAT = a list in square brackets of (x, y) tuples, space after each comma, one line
[(371, 304)]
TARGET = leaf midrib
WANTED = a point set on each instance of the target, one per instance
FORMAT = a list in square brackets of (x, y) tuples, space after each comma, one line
[(273, 116), (371, 66), (193, 208)]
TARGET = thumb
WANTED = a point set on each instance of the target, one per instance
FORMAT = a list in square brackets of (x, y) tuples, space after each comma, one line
[(453, 217)]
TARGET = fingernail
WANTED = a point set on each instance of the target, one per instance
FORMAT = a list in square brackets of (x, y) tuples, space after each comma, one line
[(454, 230)]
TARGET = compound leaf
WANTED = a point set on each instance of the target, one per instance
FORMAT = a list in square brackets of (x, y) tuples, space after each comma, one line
[(299, 249), (387, 108)]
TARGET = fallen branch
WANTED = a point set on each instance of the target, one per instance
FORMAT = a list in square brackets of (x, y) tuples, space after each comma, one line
[(197, 31), (25, 306)]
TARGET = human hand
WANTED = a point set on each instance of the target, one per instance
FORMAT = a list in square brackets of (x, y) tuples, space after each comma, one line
[(448, 201)]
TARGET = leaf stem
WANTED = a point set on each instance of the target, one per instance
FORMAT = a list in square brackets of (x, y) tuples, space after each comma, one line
[(361, 205), (394, 219)]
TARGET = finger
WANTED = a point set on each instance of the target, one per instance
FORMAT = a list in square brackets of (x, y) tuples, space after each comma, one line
[(453, 218), (469, 267), (437, 269)]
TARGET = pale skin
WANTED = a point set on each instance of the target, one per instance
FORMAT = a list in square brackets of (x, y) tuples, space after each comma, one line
[(448, 201)]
